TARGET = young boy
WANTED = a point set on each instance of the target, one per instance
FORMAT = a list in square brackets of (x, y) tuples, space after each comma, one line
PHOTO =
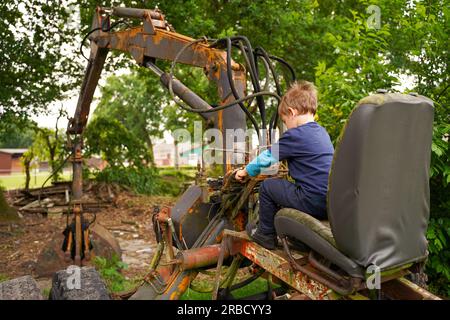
[(308, 150)]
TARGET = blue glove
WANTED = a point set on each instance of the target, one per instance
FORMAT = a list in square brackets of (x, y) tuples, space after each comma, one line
[(264, 160)]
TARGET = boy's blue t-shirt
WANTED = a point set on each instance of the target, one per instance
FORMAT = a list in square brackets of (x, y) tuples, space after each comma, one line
[(309, 153)]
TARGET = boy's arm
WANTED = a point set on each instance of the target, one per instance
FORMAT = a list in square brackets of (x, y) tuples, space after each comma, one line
[(279, 151), (264, 160)]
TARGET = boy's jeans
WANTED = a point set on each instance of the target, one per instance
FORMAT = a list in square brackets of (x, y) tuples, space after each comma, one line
[(275, 194)]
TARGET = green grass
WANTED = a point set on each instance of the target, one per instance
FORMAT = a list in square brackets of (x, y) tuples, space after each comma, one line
[(3, 277), (110, 271), (257, 286), (172, 182), (46, 292), (171, 172), (16, 181)]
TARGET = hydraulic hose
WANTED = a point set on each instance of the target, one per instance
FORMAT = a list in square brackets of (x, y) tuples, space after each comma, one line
[(234, 91)]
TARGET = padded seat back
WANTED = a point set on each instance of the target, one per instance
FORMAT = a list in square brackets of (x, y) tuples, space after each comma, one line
[(378, 197)]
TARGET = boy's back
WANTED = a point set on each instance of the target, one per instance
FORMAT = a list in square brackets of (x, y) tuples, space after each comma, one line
[(309, 153)]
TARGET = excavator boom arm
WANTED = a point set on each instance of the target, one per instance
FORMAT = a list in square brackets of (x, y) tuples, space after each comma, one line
[(154, 40)]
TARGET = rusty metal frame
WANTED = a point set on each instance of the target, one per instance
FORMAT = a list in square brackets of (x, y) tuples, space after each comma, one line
[(277, 263)]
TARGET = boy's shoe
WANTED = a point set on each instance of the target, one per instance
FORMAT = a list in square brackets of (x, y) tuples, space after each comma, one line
[(267, 241)]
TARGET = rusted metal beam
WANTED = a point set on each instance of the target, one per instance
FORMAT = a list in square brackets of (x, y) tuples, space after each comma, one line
[(403, 289), (275, 263)]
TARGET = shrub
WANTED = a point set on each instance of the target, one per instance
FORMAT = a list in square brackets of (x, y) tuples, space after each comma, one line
[(141, 179), (438, 264), (110, 271)]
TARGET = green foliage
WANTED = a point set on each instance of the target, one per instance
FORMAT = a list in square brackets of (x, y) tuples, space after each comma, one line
[(327, 42), (141, 180), (173, 182), (357, 70), (110, 271), (440, 167), (3, 277), (34, 68), (16, 132), (437, 268), (46, 292), (7, 213), (50, 145), (135, 100), (146, 180), (127, 155), (255, 287), (109, 138)]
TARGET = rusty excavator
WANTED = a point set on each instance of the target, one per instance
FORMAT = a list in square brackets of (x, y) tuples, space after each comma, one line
[(378, 198)]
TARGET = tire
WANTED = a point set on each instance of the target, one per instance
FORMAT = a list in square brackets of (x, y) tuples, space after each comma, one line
[(75, 283)]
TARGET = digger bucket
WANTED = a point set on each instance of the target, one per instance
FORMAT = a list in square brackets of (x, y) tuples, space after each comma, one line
[(52, 258)]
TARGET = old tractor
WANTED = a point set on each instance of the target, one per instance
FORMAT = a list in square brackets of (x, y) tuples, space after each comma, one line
[(378, 199)]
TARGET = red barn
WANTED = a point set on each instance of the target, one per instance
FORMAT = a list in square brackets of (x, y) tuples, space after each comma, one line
[(10, 160)]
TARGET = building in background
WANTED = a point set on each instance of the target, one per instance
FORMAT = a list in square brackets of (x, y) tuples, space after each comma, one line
[(164, 154), (95, 163), (10, 161)]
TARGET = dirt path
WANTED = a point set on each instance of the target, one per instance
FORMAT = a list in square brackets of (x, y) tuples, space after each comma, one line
[(130, 222)]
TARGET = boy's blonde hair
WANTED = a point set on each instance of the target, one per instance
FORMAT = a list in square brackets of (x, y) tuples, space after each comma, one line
[(301, 96)]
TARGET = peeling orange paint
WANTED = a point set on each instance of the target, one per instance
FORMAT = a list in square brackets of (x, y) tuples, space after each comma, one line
[(180, 289)]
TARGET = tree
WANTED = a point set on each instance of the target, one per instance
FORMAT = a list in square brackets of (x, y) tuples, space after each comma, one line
[(35, 67), (14, 134), (135, 100), (27, 160), (127, 156), (50, 145), (109, 138)]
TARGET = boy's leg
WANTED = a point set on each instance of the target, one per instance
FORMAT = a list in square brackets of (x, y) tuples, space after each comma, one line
[(274, 194)]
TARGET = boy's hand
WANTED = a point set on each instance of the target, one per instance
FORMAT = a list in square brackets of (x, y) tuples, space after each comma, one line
[(241, 174)]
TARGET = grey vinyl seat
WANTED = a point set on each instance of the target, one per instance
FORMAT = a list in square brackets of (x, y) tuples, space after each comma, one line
[(378, 192)]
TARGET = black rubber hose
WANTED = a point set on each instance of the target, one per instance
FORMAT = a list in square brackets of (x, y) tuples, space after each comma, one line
[(283, 62), (255, 58), (234, 91), (84, 39), (248, 61), (262, 53), (240, 46), (96, 29), (286, 64), (260, 100), (238, 43), (247, 281), (274, 118), (228, 105), (272, 70)]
